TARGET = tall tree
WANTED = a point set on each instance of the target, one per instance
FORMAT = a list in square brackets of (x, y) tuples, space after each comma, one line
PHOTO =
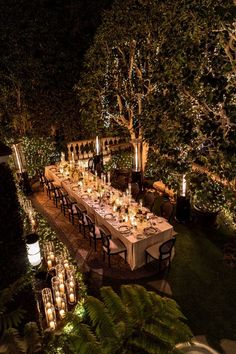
[(42, 46), (192, 115), (120, 66)]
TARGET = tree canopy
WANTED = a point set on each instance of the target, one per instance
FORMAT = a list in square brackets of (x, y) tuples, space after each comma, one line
[(170, 66), (42, 47)]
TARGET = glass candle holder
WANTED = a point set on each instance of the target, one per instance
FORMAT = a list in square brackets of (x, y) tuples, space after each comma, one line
[(70, 271), (47, 297), (50, 314), (60, 271), (62, 309), (71, 291)]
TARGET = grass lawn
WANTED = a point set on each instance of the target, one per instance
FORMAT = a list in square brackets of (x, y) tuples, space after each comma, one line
[(203, 286)]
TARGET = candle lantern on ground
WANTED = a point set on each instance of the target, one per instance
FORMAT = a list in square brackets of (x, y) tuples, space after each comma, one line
[(33, 249)]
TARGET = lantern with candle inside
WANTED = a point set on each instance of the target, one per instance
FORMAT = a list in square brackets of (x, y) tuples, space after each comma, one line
[(47, 297), (33, 249), (62, 309), (60, 271), (71, 291), (50, 314), (70, 271), (55, 281)]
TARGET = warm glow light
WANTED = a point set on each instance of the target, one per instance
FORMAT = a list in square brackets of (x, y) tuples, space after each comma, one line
[(184, 186), (17, 158), (97, 145), (136, 157), (33, 250)]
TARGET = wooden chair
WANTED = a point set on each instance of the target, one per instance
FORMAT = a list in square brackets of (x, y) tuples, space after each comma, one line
[(162, 253), (111, 247), (56, 195), (135, 190), (49, 187), (82, 221), (94, 232), (149, 199), (41, 177)]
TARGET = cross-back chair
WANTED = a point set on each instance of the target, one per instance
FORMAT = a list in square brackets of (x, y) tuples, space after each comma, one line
[(110, 246), (163, 253), (93, 231)]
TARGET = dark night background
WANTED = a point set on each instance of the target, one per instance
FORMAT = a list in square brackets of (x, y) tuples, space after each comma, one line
[(42, 45)]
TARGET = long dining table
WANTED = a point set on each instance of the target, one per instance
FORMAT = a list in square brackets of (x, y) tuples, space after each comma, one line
[(145, 230)]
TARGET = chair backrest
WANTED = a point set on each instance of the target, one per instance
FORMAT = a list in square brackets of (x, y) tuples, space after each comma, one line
[(149, 199), (166, 247), (91, 164), (167, 209), (135, 190), (80, 213), (91, 224), (105, 239)]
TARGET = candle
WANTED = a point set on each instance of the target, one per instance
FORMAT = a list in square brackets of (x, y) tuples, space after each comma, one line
[(52, 325), (58, 301), (62, 313), (72, 298), (62, 288), (49, 314), (109, 177), (73, 157), (52, 256), (66, 264), (49, 264), (71, 283)]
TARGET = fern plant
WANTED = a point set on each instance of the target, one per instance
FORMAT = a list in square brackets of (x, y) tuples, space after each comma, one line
[(137, 321), (10, 319)]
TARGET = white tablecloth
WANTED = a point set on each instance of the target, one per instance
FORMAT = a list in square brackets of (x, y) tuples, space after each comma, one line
[(135, 246)]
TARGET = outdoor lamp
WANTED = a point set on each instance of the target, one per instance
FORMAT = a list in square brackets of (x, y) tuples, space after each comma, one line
[(97, 146), (33, 249)]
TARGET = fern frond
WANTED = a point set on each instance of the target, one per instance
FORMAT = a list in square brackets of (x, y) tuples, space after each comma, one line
[(32, 338), (86, 342), (113, 303), (12, 342), (11, 319), (132, 302), (7, 294), (159, 333), (100, 317), (147, 344)]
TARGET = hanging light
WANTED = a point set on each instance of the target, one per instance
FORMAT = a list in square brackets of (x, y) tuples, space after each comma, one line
[(33, 249)]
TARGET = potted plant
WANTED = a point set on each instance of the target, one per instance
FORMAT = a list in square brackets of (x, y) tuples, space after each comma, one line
[(207, 198)]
